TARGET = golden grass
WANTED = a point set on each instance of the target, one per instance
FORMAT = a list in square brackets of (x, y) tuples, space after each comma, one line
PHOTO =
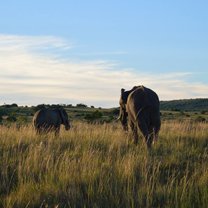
[(96, 165)]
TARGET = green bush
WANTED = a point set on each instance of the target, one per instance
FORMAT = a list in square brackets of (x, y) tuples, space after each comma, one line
[(11, 118), (93, 116), (200, 119)]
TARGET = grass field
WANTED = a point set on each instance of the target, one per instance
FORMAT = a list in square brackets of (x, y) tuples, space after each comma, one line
[(95, 165)]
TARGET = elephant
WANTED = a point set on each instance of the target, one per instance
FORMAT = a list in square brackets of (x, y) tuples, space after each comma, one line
[(140, 109), (49, 120)]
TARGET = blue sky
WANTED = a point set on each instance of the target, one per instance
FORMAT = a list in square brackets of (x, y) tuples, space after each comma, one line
[(85, 51)]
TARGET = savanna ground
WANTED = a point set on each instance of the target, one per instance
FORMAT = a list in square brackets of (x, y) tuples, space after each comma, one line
[(96, 165)]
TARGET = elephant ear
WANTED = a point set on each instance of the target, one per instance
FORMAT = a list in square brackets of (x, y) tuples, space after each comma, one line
[(124, 95)]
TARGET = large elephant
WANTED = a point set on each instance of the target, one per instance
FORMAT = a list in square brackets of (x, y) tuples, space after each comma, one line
[(46, 120), (140, 108)]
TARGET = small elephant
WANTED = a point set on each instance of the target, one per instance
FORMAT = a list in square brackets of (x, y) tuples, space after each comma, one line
[(47, 120), (140, 109)]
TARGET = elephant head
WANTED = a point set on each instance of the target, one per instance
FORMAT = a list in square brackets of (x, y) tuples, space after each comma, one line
[(64, 118), (123, 115)]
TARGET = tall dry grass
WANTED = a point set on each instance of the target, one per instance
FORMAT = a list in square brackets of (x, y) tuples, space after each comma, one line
[(98, 166)]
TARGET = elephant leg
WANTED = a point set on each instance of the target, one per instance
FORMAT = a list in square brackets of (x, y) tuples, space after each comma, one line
[(157, 124), (151, 136), (144, 129), (135, 132), (38, 131), (125, 128)]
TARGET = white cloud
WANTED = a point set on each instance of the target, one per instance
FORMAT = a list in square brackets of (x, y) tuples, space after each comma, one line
[(30, 75), (9, 42)]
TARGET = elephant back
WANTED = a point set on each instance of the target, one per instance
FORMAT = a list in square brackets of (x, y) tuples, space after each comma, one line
[(143, 97), (46, 116)]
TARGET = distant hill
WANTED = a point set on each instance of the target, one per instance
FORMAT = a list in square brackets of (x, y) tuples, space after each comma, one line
[(199, 104)]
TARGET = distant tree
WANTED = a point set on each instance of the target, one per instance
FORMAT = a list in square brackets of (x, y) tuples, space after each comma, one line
[(55, 106), (81, 105), (14, 105), (39, 107)]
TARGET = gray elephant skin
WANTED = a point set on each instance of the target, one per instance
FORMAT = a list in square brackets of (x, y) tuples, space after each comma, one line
[(140, 109), (47, 120)]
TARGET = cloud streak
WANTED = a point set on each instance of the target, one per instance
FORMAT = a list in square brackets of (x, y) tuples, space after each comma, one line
[(30, 75)]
